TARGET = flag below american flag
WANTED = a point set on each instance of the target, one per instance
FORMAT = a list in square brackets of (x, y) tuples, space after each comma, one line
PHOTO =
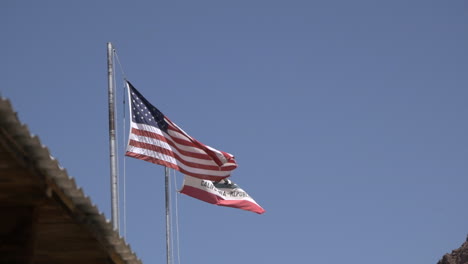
[(223, 193), (156, 139)]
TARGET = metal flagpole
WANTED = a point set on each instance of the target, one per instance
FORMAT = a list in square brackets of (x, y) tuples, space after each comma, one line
[(112, 141), (168, 219)]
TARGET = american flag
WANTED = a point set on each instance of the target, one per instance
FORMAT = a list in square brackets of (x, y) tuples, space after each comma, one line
[(156, 139)]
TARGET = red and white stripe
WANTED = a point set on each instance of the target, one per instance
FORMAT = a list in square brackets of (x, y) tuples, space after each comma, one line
[(176, 149)]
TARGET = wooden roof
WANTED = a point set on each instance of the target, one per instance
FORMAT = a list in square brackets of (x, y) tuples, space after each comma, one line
[(44, 216)]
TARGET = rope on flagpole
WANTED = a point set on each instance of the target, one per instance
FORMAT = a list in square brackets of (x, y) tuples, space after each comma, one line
[(116, 146), (120, 65), (177, 216), (170, 226), (124, 203), (124, 171)]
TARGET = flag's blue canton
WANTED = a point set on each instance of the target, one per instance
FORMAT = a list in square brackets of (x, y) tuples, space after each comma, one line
[(145, 113)]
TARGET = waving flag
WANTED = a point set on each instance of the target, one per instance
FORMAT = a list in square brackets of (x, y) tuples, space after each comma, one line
[(156, 139), (223, 193)]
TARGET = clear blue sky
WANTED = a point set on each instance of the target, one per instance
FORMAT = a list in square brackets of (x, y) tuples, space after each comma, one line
[(348, 118)]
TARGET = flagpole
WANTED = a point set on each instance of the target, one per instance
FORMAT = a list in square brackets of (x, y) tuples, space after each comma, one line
[(168, 219), (112, 141)]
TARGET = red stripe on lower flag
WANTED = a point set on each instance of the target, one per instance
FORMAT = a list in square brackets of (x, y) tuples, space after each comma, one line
[(200, 194)]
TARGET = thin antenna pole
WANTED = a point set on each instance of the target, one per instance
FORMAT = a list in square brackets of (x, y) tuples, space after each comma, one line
[(168, 219), (112, 141)]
